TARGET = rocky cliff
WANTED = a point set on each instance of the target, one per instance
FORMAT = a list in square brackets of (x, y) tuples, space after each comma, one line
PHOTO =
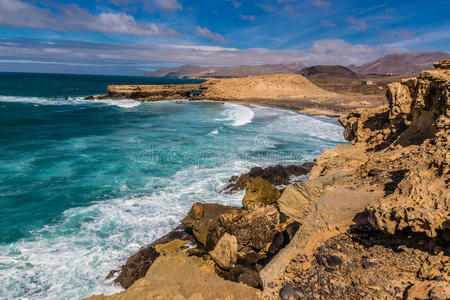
[(371, 222)]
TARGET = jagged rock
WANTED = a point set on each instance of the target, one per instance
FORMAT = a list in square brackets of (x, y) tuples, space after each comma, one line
[(138, 264), (202, 219), (277, 175), (178, 276), (436, 266), (254, 229), (429, 290), (421, 200), (225, 252), (260, 191)]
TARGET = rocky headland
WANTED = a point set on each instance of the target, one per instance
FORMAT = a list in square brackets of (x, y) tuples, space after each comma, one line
[(292, 91), (371, 220)]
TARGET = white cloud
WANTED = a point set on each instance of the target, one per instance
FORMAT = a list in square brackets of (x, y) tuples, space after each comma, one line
[(16, 13), (321, 3), (359, 24), (168, 4), (321, 52), (208, 34)]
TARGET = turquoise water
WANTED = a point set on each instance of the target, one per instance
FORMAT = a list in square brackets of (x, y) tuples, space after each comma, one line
[(84, 184)]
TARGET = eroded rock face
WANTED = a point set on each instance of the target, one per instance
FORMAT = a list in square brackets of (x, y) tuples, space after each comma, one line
[(396, 173), (421, 200)]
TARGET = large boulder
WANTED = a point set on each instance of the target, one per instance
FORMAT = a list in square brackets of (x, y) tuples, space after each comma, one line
[(260, 191), (202, 219), (225, 252)]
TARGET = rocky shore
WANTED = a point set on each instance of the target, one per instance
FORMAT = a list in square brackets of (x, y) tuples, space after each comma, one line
[(371, 220)]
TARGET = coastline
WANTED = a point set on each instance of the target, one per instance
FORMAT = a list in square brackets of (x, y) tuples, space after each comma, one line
[(371, 169)]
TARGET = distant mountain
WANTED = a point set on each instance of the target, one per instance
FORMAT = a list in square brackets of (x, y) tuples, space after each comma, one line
[(328, 71), (399, 64), (190, 71)]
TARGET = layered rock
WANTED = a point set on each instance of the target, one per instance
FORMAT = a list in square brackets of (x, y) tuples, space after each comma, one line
[(396, 173)]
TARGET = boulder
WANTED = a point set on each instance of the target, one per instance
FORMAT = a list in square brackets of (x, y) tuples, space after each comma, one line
[(260, 191), (202, 219), (299, 199), (225, 252)]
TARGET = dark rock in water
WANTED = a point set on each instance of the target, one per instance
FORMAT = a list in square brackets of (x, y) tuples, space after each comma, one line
[(89, 98), (277, 175), (138, 264)]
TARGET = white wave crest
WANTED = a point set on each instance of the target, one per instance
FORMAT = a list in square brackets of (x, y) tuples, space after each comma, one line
[(238, 114), (125, 103)]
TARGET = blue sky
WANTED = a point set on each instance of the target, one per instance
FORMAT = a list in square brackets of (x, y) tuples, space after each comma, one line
[(133, 36)]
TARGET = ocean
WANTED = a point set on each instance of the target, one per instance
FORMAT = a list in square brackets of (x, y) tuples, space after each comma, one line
[(85, 184)]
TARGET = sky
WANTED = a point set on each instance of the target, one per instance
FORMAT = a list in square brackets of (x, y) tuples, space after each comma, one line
[(129, 37)]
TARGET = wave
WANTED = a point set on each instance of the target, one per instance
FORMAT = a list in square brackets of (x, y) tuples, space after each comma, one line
[(70, 259), (237, 114), (125, 103)]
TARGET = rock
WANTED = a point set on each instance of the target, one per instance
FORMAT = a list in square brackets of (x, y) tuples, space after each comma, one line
[(203, 218), (138, 264), (334, 261), (225, 252), (170, 247), (178, 276), (243, 274), (298, 199), (288, 292), (277, 175), (429, 290), (260, 191)]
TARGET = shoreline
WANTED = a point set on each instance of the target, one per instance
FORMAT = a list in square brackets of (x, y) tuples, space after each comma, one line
[(353, 229)]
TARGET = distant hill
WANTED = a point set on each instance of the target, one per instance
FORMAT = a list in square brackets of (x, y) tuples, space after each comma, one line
[(398, 64), (191, 71), (328, 71)]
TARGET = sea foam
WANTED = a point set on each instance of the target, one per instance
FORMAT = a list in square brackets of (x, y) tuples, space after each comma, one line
[(237, 114)]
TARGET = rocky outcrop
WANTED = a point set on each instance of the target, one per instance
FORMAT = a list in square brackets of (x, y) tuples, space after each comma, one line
[(276, 175), (396, 174), (138, 264), (278, 86), (178, 276)]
